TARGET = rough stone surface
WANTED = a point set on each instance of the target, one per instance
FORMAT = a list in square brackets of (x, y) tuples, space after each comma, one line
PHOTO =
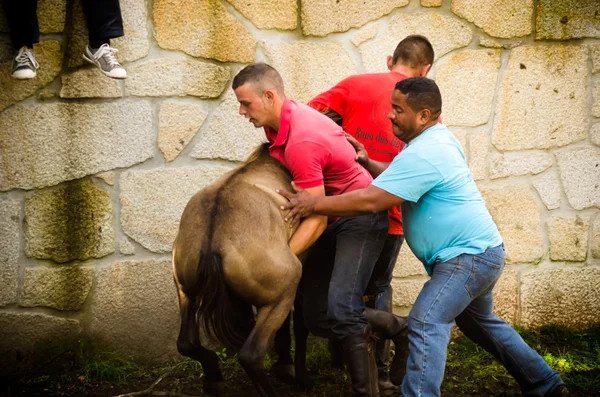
[(543, 98), (365, 34), (202, 28), (548, 187), (174, 77), (153, 201), (70, 221), (568, 296), (431, 3), (108, 177), (264, 15), (126, 247), (506, 295), (406, 291), (66, 141), (49, 56), (134, 307), (595, 242), (517, 215), (134, 45), (503, 18), (519, 163), (407, 264), (479, 143), (305, 77), (595, 134), (567, 19), (568, 238), (62, 288), (33, 338), (596, 95), (445, 33), (177, 125), (229, 136), (10, 225), (485, 41), (89, 83), (580, 175), (51, 16), (595, 54), (470, 71), (321, 17)]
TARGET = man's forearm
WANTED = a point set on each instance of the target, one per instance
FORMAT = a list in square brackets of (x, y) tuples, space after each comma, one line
[(307, 233), (355, 203), (375, 167)]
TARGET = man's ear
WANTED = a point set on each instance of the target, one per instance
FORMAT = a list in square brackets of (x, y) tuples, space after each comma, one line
[(424, 116), (269, 96), (424, 70), (389, 63)]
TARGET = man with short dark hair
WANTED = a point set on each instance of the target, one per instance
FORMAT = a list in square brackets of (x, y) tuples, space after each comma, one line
[(336, 272), (360, 103), (449, 228)]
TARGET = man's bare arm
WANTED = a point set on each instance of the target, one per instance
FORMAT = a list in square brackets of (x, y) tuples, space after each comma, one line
[(362, 157), (359, 202), (311, 228)]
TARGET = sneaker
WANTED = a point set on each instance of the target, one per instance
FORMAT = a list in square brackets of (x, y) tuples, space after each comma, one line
[(24, 65), (104, 58)]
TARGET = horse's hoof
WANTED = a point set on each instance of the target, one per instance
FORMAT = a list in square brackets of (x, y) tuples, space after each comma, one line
[(213, 388), (284, 372)]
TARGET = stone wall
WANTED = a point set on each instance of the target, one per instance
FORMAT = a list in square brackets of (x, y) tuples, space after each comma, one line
[(94, 173)]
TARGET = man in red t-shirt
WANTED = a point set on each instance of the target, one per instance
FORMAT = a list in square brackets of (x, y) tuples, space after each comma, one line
[(339, 266), (361, 103)]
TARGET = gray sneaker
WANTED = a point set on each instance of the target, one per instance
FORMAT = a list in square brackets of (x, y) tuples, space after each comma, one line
[(104, 58), (24, 65)]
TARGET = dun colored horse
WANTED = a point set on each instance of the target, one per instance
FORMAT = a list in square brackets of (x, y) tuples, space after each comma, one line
[(232, 253)]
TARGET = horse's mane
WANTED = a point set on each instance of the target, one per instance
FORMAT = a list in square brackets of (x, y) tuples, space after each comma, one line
[(259, 152)]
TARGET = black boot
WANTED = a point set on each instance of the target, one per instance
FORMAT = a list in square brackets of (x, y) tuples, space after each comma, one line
[(393, 327), (359, 358)]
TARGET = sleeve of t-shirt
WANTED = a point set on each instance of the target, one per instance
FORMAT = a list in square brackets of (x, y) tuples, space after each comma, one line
[(409, 177), (332, 99), (306, 163)]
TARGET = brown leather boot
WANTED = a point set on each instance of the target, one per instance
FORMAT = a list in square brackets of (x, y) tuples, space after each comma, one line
[(393, 327), (359, 358)]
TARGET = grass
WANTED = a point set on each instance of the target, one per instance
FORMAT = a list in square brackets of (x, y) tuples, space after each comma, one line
[(90, 370)]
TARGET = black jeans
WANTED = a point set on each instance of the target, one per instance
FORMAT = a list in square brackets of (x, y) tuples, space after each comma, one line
[(103, 19), (336, 274), (380, 284)]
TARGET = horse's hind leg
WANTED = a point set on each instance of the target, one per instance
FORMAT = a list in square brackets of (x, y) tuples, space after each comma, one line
[(188, 344), (284, 367), (252, 354), (303, 382)]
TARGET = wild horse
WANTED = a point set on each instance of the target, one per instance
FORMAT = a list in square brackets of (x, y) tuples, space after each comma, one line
[(232, 253)]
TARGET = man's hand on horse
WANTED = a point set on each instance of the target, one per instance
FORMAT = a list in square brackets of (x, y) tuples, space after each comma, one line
[(301, 204), (362, 157)]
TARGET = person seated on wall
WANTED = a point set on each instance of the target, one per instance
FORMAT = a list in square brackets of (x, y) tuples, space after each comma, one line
[(448, 227), (360, 104), (104, 23), (338, 268)]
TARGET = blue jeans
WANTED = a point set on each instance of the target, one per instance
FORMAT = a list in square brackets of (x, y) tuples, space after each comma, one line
[(336, 273), (461, 289)]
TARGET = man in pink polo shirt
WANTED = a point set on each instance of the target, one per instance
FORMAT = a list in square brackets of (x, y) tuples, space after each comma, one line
[(338, 268)]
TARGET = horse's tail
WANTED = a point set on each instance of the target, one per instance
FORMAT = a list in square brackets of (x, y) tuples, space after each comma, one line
[(224, 315)]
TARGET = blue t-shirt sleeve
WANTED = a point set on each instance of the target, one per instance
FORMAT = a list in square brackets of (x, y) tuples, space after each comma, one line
[(409, 177)]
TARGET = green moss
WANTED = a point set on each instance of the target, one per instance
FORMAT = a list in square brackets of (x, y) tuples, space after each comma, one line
[(70, 222)]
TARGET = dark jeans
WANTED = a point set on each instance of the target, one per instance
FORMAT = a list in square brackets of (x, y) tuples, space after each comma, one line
[(103, 19), (379, 287), (336, 274)]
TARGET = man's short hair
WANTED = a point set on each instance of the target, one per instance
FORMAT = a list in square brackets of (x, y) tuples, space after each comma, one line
[(265, 75), (421, 93), (414, 51)]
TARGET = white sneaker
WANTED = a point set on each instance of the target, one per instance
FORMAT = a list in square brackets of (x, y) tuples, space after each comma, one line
[(24, 65), (105, 59)]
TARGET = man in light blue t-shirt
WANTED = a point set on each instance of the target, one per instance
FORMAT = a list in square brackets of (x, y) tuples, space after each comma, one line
[(449, 228)]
